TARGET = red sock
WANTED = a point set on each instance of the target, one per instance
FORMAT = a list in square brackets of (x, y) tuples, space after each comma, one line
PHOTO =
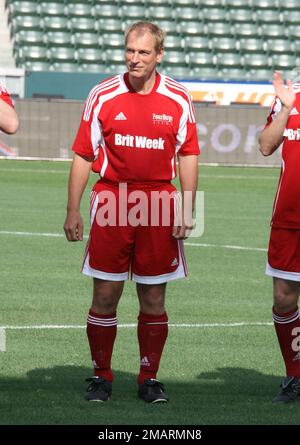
[(152, 335), (101, 331), (288, 333)]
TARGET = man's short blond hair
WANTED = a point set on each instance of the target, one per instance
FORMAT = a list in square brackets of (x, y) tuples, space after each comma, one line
[(143, 27)]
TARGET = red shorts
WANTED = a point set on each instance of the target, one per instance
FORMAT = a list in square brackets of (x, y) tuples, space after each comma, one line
[(284, 254), (131, 230)]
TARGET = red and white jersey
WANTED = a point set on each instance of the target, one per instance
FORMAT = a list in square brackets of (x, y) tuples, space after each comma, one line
[(4, 95), (136, 137), (286, 209)]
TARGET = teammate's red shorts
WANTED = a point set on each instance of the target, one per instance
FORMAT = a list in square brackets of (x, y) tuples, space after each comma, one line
[(284, 254), (131, 230)]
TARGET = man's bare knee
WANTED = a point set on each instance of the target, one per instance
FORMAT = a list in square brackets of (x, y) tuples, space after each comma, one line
[(106, 295)]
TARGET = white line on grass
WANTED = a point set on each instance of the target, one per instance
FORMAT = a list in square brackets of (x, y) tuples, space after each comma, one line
[(201, 175), (134, 325), (61, 235)]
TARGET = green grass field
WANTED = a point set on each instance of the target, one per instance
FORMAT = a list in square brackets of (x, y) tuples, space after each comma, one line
[(216, 374)]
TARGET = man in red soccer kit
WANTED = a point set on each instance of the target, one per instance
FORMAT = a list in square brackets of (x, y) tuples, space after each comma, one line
[(283, 125), (9, 121), (133, 129)]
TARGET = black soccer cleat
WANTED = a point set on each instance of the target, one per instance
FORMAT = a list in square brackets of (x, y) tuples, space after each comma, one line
[(152, 391), (290, 391), (99, 390)]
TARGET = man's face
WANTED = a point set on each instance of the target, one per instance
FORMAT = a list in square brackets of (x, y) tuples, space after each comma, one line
[(140, 55)]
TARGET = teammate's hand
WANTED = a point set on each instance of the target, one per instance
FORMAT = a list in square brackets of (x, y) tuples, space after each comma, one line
[(73, 226), (286, 93)]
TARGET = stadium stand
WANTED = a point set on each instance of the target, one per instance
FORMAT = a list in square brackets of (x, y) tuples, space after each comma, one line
[(213, 39)]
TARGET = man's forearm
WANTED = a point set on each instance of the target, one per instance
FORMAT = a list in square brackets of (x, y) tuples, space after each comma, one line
[(79, 175), (9, 121), (188, 175), (272, 136)]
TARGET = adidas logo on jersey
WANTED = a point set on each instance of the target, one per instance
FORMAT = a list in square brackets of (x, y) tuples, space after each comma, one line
[(174, 262), (294, 111), (120, 117), (145, 361)]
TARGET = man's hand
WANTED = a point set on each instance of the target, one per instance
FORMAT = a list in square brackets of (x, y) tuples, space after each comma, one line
[(286, 93), (73, 226), (182, 232)]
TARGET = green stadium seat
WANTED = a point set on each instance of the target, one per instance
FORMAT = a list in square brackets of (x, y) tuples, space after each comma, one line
[(273, 31), (29, 37), (294, 32), (251, 45), (264, 4), (209, 3), (228, 60), (36, 66), (115, 57), (150, 3), (172, 58), (280, 46), (187, 14), (244, 30), (176, 3), (56, 23), (26, 22), (19, 8), (52, 9), (233, 74), (205, 73), (240, 15), (106, 10), (62, 54), (169, 26), (213, 14), (281, 61), (86, 40), (200, 58), (223, 44), (159, 12), (256, 60), (177, 72), (291, 5), (259, 74), (32, 53), (110, 25), (65, 67), (90, 55), (219, 29), (191, 28), (173, 42), (232, 4), (94, 68), (196, 43), (79, 10), (268, 16), (113, 40), (58, 38), (83, 24), (133, 12), (291, 18)]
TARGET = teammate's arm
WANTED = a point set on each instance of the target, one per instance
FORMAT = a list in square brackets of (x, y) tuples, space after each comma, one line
[(188, 177), (79, 175), (9, 121), (272, 135)]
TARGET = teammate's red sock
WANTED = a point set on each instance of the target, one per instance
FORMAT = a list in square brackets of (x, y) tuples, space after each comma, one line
[(287, 328), (152, 335), (101, 331)]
